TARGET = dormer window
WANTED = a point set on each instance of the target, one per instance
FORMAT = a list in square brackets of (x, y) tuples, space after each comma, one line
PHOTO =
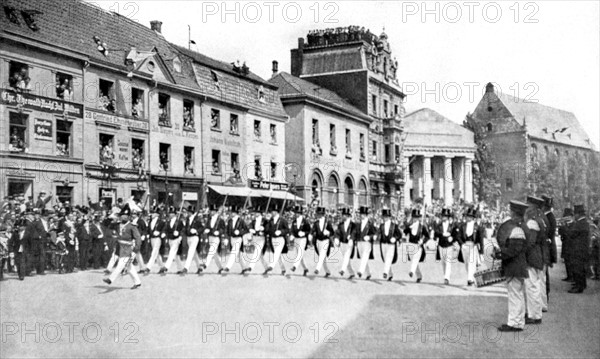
[(261, 94), (177, 65)]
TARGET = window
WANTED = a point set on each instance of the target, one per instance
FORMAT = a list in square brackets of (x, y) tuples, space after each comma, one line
[(164, 156), (64, 86), (374, 104), (273, 169), (411, 170), (18, 132), (395, 109), (374, 151), (177, 65), (362, 146), (107, 100), (490, 128), (257, 168), (18, 75), (164, 110), (257, 132), (388, 155), (397, 156), (509, 184), (106, 150), (235, 163), (332, 141), (63, 138), (137, 154), (20, 188), (216, 162), (385, 108), (215, 119), (273, 132), (137, 103), (64, 194), (557, 152), (261, 94), (188, 115), (188, 160), (348, 142), (315, 132), (233, 124), (534, 152)]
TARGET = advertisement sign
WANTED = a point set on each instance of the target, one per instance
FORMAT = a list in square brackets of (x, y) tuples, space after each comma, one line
[(42, 129), (39, 103)]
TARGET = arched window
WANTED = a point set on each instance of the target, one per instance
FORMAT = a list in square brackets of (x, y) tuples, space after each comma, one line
[(489, 127), (316, 184), (534, 152), (334, 191), (349, 192), (362, 193)]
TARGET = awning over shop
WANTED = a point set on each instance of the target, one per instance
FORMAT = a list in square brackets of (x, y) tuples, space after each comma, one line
[(233, 191), (278, 195)]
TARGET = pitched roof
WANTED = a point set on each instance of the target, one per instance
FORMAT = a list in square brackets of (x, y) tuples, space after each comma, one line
[(427, 128), (72, 24), (291, 86), (543, 120)]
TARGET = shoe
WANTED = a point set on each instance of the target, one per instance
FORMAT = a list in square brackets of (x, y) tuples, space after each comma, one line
[(508, 328), (267, 270), (106, 271), (390, 278), (146, 271), (220, 271), (163, 270), (183, 271), (305, 272), (293, 269), (470, 283), (283, 272), (199, 271), (419, 280), (384, 275), (544, 310), (316, 272), (368, 277), (21, 278), (410, 274), (446, 282), (136, 286), (359, 274), (351, 276), (105, 280), (327, 275), (341, 273), (226, 270), (533, 321), (576, 290)]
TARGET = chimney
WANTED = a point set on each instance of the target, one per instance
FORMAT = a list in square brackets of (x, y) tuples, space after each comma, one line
[(156, 25), (275, 68), (297, 57), (489, 87)]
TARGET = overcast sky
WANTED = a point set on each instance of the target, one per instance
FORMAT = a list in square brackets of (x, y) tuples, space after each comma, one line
[(447, 51)]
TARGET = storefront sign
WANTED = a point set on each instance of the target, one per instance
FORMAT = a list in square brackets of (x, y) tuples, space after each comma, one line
[(39, 103), (190, 196), (275, 186), (116, 121), (42, 129)]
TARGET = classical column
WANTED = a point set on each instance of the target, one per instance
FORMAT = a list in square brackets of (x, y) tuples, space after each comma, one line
[(407, 180), (426, 177), (459, 178), (468, 179), (448, 181)]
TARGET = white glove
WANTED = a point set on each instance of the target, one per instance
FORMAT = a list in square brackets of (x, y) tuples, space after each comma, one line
[(261, 228), (367, 238), (105, 247), (143, 237), (101, 236), (176, 233), (193, 231), (72, 242), (301, 234), (393, 240), (446, 234), (450, 239), (326, 232), (252, 231), (236, 232), (207, 230), (216, 233), (163, 235), (155, 233), (277, 233), (11, 255), (336, 242)]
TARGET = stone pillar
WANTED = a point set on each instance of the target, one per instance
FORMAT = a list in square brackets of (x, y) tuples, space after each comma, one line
[(426, 177), (459, 178), (468, 179), (448, 181), (407, 181)]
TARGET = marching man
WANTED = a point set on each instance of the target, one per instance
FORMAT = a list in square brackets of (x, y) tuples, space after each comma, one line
[(446, 235), (129, 240), (257, 230), (277, 231), (236, 230), (472, 238), (365, 233), (155, 228), (300, 230), (345, 239), (215, 229), (388, 235), (193, 228), (416, 231), (142, 227), (172, 232)]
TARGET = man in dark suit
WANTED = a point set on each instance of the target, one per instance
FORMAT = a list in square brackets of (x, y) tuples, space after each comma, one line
[(138, 221), (535, 231), (299, 231), (38, 244), (580, 235), (365, 233), (193, 229), (42, 200), (549, 252), (97, 234), (276, 234), (172, 230), (345, 238), (388, 235), (564, 231), (130, 241), (85, 238), (17, 247), (512, 249), (321, 234), (447, 236), (417, 233)]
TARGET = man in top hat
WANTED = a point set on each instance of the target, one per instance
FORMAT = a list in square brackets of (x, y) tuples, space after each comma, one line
[(42, 200), (388, 235), (365, 233), (172, 231), (300, 229), (236, 231), (564, 231), (84, 237), (548, 248), (97, 233), (193, 229), (130, 240), (155, 229), (417, 232), (257, 229), (275, 240), (37, 258), (595, 248), (471, 237), (138, 221), (447, 236), (512, 250), (536, 235), (580, 235), (346, 237), (216, 230), (321, 234)]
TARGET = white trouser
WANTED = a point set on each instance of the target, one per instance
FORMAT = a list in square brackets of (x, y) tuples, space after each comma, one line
[(365, 251), (213, 246), (447, 256), (174, 246), (253, 256), (298, 261), (346, 249), (323, 246), (516, 302), (140, 260), (388, 255), (470, 254), (533, 298), (192, 255), (236, 242), (155, 242), (113, 260), (543, 292), (414, 250), (120, 266), (278, 244)]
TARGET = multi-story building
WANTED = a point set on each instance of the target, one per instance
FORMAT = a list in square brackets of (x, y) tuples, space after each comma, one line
[(326, 143), (358, 66)]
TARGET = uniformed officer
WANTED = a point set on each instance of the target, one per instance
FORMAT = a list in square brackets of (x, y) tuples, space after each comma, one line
[(321, 234), (447, 236), (345, 237), (138, 221), (549, 252), (512, 249), (564, 231), (299, 231), (536, 235), (130, 242), (388, 236), (365, 233)]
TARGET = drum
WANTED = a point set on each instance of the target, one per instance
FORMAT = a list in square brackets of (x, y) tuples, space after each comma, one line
[(490, 276)]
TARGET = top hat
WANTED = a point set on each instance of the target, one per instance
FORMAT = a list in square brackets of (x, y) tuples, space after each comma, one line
[(471, 212), (297, 209), (213, 207), (125, 211), (415, 213), (191, 209), (579, 209), (446, 212), (257, 209), (386, 212), (535, 200), (568, 212), (235, 208), (518, 207), (363, 210), (154, 209), (548, 201), (345, 211), (320, 210), (172, 210)]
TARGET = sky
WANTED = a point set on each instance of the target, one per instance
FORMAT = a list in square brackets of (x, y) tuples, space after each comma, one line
[(545, 51)]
